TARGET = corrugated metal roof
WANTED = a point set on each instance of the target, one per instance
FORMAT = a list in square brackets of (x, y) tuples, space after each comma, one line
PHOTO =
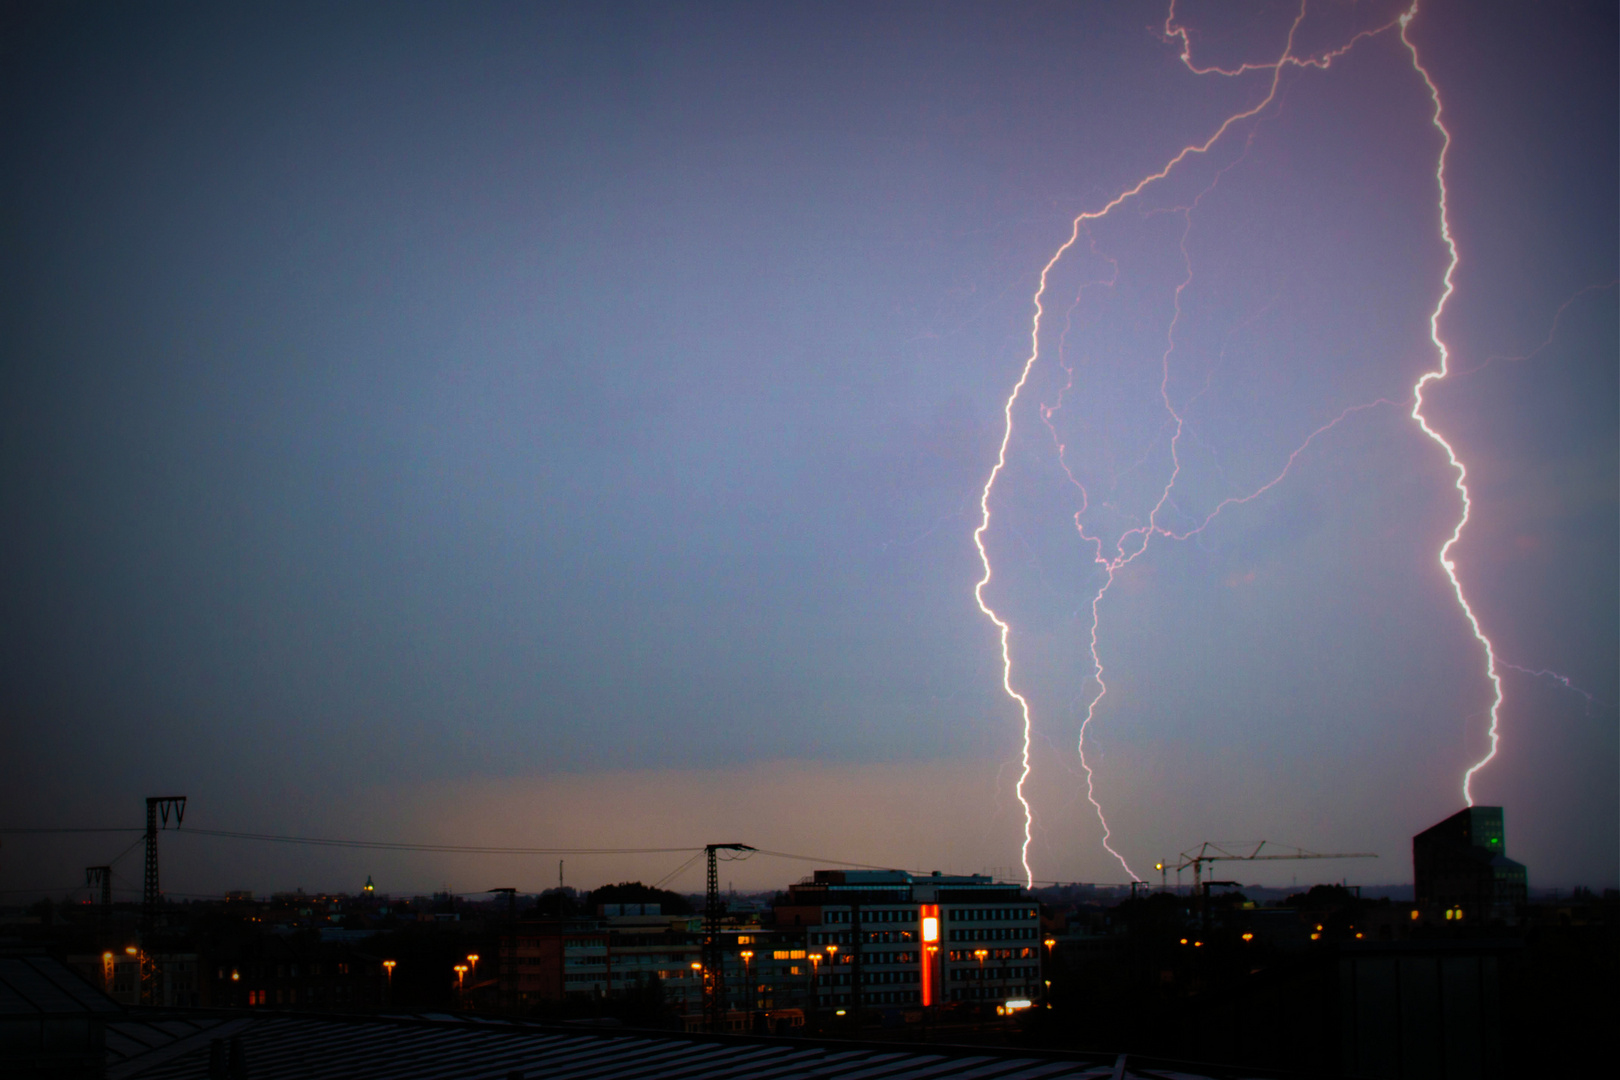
[(306, 1047), (44, 986)]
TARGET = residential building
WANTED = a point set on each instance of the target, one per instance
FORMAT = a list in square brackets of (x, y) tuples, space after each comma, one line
[(605, 956)]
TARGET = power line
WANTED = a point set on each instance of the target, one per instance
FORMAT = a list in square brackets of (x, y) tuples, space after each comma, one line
[(39, 831), (837, 862), (389, 845), (114, 860), (468, 849), (675, 873)]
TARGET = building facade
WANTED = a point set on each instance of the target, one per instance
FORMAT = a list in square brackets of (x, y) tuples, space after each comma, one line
[(607, 956), (889, 938), (1461, 865), (839, 941)]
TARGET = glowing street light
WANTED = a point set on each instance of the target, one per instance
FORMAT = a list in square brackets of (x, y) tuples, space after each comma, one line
[(832, 975), (388, 967), (748, 955)]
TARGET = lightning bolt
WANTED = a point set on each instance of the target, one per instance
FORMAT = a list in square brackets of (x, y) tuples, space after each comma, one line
[(1552, 334), (1447, 563), (1133, 542), (1561, 680)]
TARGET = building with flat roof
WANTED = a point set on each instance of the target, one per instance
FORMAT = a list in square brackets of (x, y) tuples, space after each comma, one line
[(840, 941), (890, 938), (606, 956), (1461, 865)]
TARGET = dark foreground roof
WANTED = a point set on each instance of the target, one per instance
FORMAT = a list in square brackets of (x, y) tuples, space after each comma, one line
[(310, 1047), (39, 986)]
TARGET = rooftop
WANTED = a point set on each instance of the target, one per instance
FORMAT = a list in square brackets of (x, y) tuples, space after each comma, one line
[(438, 1047)]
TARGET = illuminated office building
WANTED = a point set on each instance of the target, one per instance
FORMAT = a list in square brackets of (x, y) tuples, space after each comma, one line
[(890, 938)]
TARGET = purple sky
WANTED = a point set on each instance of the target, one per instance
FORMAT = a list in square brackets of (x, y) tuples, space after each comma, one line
[(565, 425)]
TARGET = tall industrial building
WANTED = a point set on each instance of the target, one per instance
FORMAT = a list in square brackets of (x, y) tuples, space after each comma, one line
[(1461, 865)]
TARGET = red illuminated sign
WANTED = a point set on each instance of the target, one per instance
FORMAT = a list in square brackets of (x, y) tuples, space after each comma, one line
[(930, 949)]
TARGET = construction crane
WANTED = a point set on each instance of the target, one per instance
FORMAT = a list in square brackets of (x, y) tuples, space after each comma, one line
[(1210, 852)]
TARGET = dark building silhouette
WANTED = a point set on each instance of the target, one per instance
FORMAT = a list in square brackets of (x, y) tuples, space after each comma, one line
[(1461, 864)]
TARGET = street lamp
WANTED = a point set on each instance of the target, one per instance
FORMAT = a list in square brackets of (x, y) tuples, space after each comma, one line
[(832, 973), (461, 975), (388, 966), (979, 955), (747, 955), (815, 981), (697, 977)]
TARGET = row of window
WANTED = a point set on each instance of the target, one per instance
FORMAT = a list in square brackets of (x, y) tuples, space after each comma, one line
[(993, 933), (990, 914), (318, 995), (885, 915), (871, 978), (879, 997), (964, 955), (981, 974), (284, 971), (979, 993), (633, 960), (893, 937), (622, 980), (869, 937), (874, 915)]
